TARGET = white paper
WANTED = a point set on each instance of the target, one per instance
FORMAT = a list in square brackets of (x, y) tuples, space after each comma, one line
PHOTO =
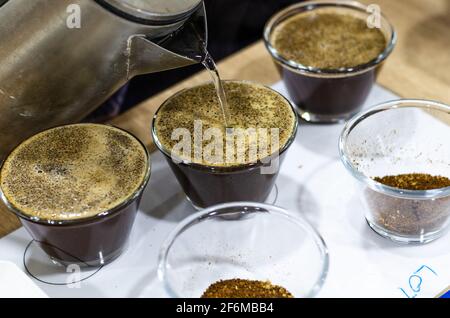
[(312, 183), (16, 284)]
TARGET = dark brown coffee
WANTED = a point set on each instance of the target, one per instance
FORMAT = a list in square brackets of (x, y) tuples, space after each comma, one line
[(328, 58), (75, 189), (327, 99), (207, 182)]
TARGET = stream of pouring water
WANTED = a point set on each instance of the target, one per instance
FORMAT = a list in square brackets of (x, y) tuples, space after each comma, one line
[(210, 65)]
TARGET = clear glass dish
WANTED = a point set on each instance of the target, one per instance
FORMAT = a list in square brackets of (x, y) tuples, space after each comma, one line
[(243, 240), (401, 137)]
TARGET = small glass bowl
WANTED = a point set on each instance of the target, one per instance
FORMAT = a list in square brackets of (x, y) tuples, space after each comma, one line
[(401, 137), (243, 240)]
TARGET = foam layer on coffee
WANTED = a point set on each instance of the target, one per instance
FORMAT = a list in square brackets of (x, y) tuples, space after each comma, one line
[(250, 105), (328, 39), (73, 171)]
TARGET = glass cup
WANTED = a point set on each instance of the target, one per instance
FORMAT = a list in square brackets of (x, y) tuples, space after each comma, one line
[(209, 185), (400, 137), (328, 95), (91, 241), (243, 240)]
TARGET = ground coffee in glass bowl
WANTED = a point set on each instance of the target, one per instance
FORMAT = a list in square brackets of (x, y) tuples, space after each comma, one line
[(399, 153)]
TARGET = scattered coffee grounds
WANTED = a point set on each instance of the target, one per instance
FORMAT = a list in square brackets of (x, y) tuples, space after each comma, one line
[(243, 288), (408, 216), (328, 40)]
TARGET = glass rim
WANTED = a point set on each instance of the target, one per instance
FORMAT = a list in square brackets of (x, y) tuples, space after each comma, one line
[(368, 181), (231, 168), (224, 209), (322, 72), (90, 219)]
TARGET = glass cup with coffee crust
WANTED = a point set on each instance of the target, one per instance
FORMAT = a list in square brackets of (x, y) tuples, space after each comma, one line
[(195, 112), (328, 54), (76, 189)]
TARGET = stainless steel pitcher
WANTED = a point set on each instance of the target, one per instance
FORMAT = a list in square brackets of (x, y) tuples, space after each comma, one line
[(60, 59)]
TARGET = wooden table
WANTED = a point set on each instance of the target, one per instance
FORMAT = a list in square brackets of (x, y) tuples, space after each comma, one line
[(419, 67)]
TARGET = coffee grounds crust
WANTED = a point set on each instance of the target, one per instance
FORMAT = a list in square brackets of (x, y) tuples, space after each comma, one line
[(328, 40), (250, 105), (73, 172)]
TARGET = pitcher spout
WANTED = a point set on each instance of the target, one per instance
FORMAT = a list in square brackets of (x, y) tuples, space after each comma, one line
[(185, 46)]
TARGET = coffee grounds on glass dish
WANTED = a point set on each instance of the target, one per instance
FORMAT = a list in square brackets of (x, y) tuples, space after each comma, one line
[(243, 288), (415, 181)]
